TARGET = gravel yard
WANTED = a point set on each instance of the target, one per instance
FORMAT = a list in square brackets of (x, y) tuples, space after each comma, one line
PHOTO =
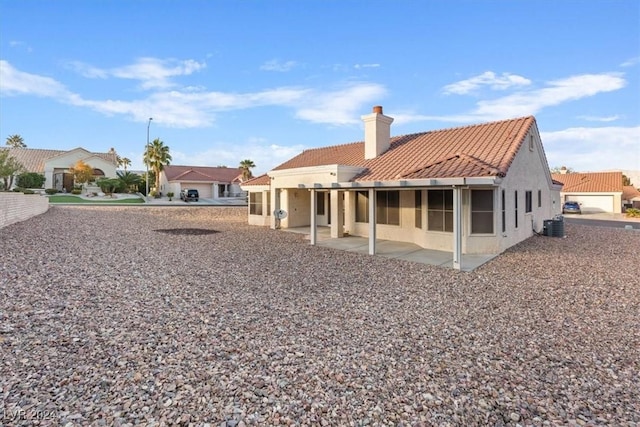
[(104, 320)]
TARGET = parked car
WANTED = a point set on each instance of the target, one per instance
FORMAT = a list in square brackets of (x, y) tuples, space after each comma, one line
[(189, 194), (571, 207)]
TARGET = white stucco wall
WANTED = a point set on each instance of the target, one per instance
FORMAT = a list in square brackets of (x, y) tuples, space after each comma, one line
[(67, 160)]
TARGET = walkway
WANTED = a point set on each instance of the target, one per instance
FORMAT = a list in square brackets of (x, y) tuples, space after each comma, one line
[(392, 249)]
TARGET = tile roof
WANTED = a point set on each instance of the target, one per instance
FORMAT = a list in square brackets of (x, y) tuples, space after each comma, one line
[(591, 182), (258, 180), (629, 192), (201, 173), (470, 151), (33, 159)]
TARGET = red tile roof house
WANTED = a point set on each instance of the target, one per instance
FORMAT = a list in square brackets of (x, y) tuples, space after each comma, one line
[(56, 165), (468, 190), (211, 182), (595, 191)]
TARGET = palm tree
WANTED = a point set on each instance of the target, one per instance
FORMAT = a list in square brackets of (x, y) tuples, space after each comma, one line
[(129, 180), (124, 162), (16, 141), (156, 156), (246, 166)]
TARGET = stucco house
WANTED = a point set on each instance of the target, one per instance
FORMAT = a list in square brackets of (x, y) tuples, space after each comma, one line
[(595, 191), (56, 165), (468, 190), (211, 182)]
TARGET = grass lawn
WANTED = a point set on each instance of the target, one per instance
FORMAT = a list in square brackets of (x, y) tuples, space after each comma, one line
[(76, 199)]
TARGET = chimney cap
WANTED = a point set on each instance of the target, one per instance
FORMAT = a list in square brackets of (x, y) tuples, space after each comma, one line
[(377, 109)]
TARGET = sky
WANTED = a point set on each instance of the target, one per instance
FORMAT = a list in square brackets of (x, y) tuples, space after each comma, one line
[(226, 81)]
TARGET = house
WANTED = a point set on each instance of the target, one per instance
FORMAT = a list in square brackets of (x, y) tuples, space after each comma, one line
[(595, 191), (56, 165), (468, 190), (211, 182), (630, 197)]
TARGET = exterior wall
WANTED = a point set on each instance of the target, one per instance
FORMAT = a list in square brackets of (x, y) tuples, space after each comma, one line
[(67, 160), (16, 207), (528, 172), (264, 219)]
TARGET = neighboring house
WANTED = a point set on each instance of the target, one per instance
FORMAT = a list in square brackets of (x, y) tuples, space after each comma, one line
[(595, 191), (56, 165), (630, 197), (211, 182), (469, 190)]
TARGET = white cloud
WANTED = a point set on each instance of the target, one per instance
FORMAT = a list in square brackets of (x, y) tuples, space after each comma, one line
[(488, 79), (266, 156), (276, 65), (341, 107), (600, 119), (631, 62), (594, 149), (151, 72), (16, 82), (358, 66), (20, 44)]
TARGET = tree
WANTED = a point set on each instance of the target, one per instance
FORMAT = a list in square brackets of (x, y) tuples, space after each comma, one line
[(82, 172), (9, 167), (561, 169), (625, 180), (129, 180), (124, 162), (246, 166), (156, 156), (16, 141), (30, 180)]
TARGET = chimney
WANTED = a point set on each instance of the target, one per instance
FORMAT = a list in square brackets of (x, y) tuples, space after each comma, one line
[(377, 133), (563, 170)]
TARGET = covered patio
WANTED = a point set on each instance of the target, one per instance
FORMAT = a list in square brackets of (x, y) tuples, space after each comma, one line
[(392, 249)]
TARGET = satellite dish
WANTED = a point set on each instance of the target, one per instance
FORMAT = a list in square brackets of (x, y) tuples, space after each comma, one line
[(280, 214)]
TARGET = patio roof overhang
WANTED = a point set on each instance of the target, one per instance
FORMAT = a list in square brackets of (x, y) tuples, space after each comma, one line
[(415, 183)]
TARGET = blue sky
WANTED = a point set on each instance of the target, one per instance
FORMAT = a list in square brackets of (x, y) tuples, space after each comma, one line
[(262, 80)]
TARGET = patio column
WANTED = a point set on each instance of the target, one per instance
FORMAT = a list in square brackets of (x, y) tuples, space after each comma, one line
[(314, 227), (372, 221), (337, 219), (457, 228), (275, 205)]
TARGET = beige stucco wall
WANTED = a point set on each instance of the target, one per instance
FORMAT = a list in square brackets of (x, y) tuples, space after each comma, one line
[(67, 160), (265, 218), (16, 207)]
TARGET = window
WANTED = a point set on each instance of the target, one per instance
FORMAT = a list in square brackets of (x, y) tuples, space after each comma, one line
[(504, 212), (268, 203), (531, 143), (388, 207), (418, 208), (516, 206), (482, 211), (319, 203), (255, 203), (528, 201), (440, 210), (362, 206), (539, 198)]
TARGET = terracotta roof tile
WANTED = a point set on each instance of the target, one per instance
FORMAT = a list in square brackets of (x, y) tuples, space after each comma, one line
[(201, 173), (259, 180), (592, 182), (629, 192), (470, 151), (33, 159)]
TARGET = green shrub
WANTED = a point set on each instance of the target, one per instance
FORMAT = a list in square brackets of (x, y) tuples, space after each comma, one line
[(18, 190), (30, 180), (633, 213), (109, 185), (51, 191), (154, 194), (76, 191), (170, 195), (28, 191)]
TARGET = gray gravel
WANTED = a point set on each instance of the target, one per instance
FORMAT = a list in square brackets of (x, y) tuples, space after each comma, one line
[(106, 321)]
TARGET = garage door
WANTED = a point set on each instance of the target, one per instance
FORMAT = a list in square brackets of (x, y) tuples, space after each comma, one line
[(205, 190), (592, 203)]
